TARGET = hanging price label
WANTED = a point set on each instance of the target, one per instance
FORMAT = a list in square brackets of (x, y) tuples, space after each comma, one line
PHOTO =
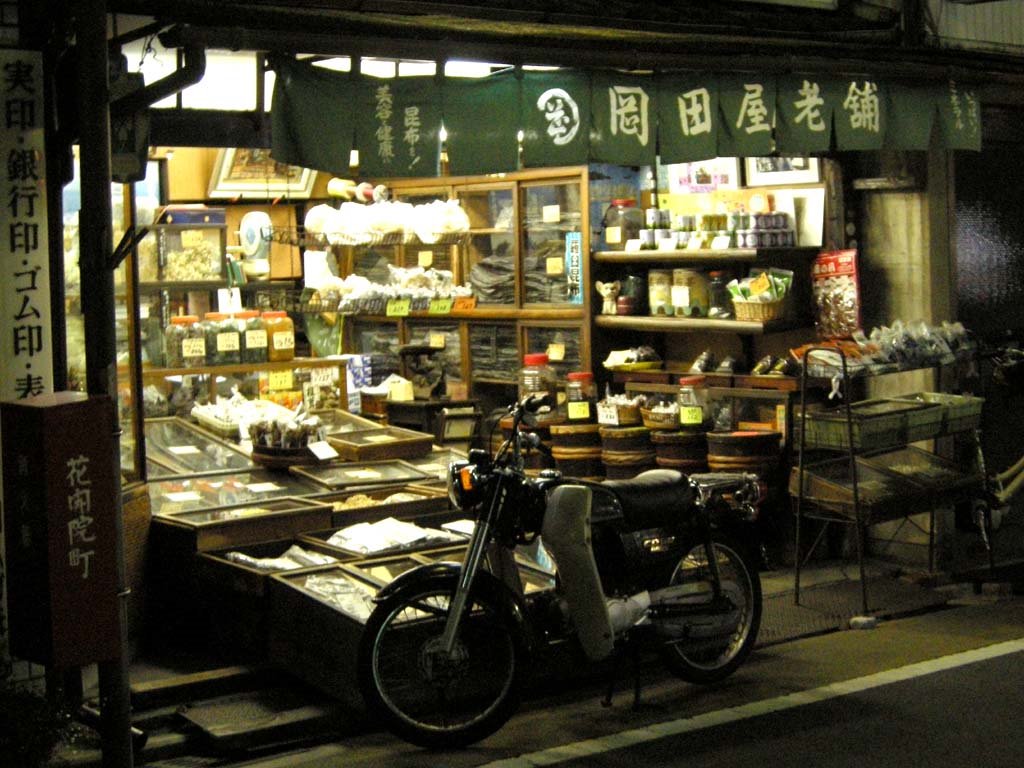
[(439, 307), (323, 377), (277, 380), (398, 307), (607, 414)]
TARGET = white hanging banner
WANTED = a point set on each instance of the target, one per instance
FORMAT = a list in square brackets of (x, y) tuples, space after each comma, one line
[(26, 353)]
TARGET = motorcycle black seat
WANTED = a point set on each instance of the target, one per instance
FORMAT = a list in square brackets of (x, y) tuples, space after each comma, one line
[(651, 493)]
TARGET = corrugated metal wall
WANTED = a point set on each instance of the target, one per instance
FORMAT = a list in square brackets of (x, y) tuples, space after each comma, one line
[(993, 26)]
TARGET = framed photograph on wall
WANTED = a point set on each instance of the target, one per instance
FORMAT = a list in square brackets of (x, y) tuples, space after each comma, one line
[(253, 173), (774, 171), (704, 175)]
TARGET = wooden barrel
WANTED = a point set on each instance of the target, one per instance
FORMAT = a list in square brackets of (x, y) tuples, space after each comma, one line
[(621, 465), (575, 436), (620, 439), (583, 461), (680, 446)]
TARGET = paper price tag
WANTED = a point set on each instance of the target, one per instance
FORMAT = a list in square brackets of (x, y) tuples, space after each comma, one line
[(691, 416), (193, 347), (280, 380), (228, 342), (551, 214), (721, 242), (439, 307), (398, 307), (323, 377), (284, 340), (180, 496), (437, 340), (425, 258), (322, 450), (556, 352), (255, 339), (463, 303), (264, 487), (579, 410), (192, 238), (695, 243), (364, 474), (613, 235), (183, 450), (607, 414), (555, 265), (380, 438)]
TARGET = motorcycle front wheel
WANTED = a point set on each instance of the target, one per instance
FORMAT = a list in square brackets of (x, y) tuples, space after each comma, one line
[(430, 697), (715, 656)]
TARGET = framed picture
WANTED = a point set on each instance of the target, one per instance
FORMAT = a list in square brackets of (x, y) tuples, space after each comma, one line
[(245, 172), (771, 171), (704, 175)]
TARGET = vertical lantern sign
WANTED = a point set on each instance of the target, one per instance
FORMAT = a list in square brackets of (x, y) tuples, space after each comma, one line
[(26, 360)]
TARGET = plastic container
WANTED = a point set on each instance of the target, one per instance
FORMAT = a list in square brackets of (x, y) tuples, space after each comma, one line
[(253, 335), (280, 336), (692, 401), (689, 293), (580, 396), (536, 377), (223, 342), (622, 221), (719, 300), (185, 344)]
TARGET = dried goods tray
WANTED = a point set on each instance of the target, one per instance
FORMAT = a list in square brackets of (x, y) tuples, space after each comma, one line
[(380, 443), (875, 424), (881, 495), (959, 412), (345, 475), (355, 506), (435, 537), (933, 473)]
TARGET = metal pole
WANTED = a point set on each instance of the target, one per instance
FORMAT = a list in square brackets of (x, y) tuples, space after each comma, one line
[(101, 350)]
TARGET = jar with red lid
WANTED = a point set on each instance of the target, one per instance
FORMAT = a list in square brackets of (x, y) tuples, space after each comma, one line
[(280, 336), (580, 396), (538, 378), (622, 221)]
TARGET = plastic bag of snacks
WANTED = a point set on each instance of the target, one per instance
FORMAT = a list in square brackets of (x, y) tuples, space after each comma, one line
[(836, 293)]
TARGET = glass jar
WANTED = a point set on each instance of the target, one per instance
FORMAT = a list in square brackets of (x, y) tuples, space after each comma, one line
[(659, 292), (536, 377), (719, 300), (185, 346), (689, 297), (253, 335), (692, 400), (622, 221), (580, 396), (280, 336), (223, 345)]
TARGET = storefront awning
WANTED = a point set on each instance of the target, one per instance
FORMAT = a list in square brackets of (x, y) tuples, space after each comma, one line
[(567, 117)]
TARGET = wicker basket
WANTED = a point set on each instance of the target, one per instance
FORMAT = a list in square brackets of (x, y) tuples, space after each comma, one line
[(660, 419), (759, 311), (627, 415)]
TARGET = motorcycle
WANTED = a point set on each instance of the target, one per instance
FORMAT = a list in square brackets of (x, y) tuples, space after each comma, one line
[(650, 562)]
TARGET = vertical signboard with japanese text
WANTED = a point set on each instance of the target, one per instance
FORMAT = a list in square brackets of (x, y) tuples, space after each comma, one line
[(26, 359), (60, 501), (397, 123)]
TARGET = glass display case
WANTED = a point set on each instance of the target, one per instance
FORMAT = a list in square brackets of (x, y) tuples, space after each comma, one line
[(183, 494), (446, 339), (190, 252), (336, 476), (560, 344), (176, 447), (488, 260), (494, 352), (552, 244)]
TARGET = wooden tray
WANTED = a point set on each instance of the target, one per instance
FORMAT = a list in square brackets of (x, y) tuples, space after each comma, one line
[(337, 476), (380, 443), (431, 501)]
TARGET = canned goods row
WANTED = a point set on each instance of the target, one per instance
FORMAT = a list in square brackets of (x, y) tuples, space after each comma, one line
[(765, 238)]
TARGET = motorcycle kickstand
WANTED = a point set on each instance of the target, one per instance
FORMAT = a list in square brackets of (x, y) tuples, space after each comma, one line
[(632, 648)]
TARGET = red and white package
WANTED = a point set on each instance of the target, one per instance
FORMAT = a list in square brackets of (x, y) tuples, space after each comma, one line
[(836, 294)]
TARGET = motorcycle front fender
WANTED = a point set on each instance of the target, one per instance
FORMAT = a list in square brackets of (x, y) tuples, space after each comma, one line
[(446, 575)]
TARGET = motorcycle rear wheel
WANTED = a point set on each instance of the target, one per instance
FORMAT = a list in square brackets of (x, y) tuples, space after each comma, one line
[(426, 696), (712, 660)]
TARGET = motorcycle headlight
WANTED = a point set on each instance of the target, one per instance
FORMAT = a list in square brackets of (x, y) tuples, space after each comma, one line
[(463, 484)]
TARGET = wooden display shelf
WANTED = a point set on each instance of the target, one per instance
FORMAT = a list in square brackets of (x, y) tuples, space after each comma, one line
[(156, 374), (662, 324), (486, 312), (702, 256)]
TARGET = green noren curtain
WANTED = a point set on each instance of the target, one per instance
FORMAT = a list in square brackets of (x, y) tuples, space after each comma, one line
[(623, 119), (747, 106), (481, 117), (803, 122), (556, 118), (861, 113), (397, 121), (959, 116), (312, 117), (688, 117)]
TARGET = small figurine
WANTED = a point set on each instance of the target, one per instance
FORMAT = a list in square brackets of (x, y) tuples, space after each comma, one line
[(609, 292)]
